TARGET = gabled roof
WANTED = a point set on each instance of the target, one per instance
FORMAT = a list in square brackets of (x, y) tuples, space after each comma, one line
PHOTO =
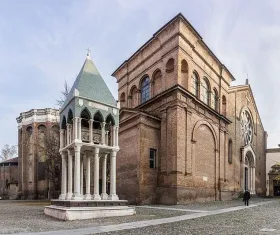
[(90, 85)]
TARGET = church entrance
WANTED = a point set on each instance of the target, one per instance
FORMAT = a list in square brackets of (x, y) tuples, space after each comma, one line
[(249, 173)]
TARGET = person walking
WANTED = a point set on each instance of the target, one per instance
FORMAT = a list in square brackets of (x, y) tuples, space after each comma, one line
[(246, 197)]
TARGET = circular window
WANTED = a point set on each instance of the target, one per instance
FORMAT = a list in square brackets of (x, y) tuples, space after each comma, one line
[(246, 127)]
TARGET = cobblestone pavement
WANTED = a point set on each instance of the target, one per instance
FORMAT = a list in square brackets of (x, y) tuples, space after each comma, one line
[(20, 217)]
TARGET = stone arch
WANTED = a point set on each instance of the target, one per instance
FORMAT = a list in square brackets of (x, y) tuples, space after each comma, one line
[(97, 119), (133, 94), (170, 65), (85, 116), (195, 129), (110, 119), (63, 123), (184, 74), (122, 100), (157, 82), (70, 116)]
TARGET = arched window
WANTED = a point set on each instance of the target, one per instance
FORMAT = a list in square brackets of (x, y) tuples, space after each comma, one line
[(157, 86), (122, 99), (133, 97), (230, 151), (97, 119), (224, 105), (170, 65), (184, 74), (195, 84), (145, 90), (85, 116), (215, 99), (205, 91)]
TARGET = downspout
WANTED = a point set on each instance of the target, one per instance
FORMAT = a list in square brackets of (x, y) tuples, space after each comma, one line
[(219, 141)]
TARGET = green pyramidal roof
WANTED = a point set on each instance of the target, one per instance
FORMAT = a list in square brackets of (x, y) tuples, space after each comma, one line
[(91, 85)]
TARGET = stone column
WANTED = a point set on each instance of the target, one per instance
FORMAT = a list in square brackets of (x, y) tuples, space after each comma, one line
[(76, 127), (254, 179), (70, 133), (67, 133), (62, 196), (117, 136), (77, 169), (87, 195), (79, 129), (107, 138), (104, 195), (90, 130), (82, 175), (96, 195), (103, 132), (70, 179), (113, 195), (113, 137), (61, 141)]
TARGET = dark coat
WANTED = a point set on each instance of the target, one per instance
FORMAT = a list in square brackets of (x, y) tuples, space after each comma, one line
[(246, 195)]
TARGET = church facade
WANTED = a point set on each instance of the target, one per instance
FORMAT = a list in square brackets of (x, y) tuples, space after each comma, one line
[(185, 133)]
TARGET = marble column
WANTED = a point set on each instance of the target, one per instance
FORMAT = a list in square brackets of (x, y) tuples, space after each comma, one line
[(87, 195), (113, 195), (70, 179), (104, 195), (62, 196), (61, 141), (254, 179), (113, 136), (76, 127), (103, 133), (107, 138), (79, 129), (96, 195), (77, 169), (117, 136), (82, 175), (67, 133), (90, 130)]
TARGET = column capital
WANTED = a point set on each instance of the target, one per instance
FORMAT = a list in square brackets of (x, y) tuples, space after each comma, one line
[(77, 148), (70, 152), (63, 154), (103, 124), (90, 121), (114, 153), (96, 150)]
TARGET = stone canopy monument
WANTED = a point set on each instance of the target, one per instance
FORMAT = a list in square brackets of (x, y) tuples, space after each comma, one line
[(89, 121)]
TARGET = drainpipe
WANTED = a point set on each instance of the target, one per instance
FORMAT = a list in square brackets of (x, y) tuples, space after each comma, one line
[(219, 141)]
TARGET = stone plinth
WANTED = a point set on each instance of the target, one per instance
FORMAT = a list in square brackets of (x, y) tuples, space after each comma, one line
[(90, 209)]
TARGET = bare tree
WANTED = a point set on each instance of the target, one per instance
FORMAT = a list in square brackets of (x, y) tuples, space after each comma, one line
[(51, 166), (8, 152), (64, 94)]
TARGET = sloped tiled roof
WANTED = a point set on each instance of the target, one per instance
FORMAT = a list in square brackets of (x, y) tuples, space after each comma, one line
[(91, 85), (12, 160)]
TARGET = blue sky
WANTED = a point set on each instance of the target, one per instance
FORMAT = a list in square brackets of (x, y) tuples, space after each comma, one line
[(43, 43)]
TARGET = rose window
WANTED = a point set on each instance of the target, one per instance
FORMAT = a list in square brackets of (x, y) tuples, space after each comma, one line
[(246, 127)]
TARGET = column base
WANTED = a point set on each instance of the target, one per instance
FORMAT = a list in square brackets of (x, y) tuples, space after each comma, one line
[(113, 197), (62, 196), (104, 196), (77, 197), (69, 196), (87, 197), (96, 197)]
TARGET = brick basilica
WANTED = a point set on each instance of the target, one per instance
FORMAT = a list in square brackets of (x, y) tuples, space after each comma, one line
[(185, 133)]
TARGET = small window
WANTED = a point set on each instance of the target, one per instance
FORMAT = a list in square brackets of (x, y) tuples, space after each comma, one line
[(153, 153)]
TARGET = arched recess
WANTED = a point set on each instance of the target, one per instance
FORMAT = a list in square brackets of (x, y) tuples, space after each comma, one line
[(205, 91), (70, 117), (145, 89), (170, 65), (230, 151), (204, 149), (157, 82), (195, 83), (122, 100), (224, 105), (110, 122), (29, 139), (203, 122), (85, 116), (63, 123), (215, 99), (248, 173), (133, 97), (97, 120), (184, 73)]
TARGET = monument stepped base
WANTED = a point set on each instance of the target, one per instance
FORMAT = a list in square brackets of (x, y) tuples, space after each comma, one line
[(90, 209)]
